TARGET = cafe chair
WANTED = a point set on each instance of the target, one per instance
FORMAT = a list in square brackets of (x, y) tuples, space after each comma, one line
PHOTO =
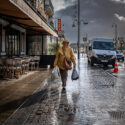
[(14, 68), (32, 64), (36, 60)]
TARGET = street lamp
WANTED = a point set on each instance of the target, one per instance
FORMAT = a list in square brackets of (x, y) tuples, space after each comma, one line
[(121, 41), (116, 33), (74, 25), (78, 23)]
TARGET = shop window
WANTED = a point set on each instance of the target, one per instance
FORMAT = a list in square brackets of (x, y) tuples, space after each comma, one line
[(12, 43)]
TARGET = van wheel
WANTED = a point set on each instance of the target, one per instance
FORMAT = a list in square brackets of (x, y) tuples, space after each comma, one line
[(88, 61), (92, 64), (105, 65), (113, 65)]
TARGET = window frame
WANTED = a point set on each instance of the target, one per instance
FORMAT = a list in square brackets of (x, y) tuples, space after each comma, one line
[(12, 42)]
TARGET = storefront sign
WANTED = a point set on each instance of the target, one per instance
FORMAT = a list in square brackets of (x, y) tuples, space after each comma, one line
[(59, 24)]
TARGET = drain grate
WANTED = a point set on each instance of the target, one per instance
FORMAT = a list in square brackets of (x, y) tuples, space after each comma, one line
[(117, 114)]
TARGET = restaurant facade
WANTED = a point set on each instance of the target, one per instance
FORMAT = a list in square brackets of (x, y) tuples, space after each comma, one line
[(25, 26)]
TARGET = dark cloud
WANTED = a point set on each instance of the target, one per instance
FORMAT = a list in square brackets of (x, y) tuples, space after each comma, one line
[(99, 13)]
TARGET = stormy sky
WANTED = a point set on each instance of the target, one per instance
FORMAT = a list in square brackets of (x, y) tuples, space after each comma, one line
[(100, 15)]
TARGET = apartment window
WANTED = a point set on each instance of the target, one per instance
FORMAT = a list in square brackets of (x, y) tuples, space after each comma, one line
[(42, 3), (0, 38), (33, 3), (13, 43)]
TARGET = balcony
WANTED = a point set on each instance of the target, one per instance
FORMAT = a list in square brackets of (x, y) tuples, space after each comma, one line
[(41, 10), (26, 14), (51, 24), (49, 7), (32, 3), (36, 5), (51, 19)]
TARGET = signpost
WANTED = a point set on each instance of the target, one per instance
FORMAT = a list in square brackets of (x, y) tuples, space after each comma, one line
[(61, 33), (84, 39)]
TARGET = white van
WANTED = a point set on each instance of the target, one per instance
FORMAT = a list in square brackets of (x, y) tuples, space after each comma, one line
[(102, 51)]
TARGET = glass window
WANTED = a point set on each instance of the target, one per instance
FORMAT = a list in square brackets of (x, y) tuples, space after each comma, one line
[(103, 45), (118, 52), (12, 43)]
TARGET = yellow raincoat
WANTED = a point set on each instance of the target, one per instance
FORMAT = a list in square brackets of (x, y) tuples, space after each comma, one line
[(60, 57)]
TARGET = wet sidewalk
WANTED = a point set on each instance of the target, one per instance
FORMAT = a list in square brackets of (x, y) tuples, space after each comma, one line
[(13, 92), (121, 71), (97, 98)]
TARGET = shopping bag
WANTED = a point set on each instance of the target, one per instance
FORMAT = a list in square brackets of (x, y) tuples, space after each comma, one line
[(55, 75), (74, 75)]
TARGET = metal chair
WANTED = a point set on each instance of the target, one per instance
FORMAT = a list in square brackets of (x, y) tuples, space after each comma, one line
[(32, 64), (13, 68), (26, 63), (37, 60)]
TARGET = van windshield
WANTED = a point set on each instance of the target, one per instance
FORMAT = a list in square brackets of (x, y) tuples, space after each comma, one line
[(103, 45)]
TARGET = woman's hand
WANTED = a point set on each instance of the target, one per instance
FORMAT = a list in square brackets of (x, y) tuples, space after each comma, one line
[(74, 66)]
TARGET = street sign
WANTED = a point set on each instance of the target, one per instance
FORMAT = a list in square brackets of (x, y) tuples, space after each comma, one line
[(84, 38), (61, 33)]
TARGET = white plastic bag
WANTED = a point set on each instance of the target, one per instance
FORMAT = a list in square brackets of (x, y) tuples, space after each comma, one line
[(75, 75), (55, 75)]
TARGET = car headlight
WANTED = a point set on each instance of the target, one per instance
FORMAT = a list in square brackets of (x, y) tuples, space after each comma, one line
[(122, 55)]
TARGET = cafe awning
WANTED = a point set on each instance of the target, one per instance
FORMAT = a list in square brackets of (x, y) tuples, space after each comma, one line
[(20, 12)]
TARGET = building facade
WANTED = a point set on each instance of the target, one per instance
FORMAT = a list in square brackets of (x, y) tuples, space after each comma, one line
[(25, 26)]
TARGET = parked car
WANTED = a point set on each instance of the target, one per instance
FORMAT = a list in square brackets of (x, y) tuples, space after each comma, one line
[(120, 56), (102, 51)]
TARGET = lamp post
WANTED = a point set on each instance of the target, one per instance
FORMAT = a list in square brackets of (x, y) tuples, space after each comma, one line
[(78, 23), (78, 28), (116, 33), (121, 41)]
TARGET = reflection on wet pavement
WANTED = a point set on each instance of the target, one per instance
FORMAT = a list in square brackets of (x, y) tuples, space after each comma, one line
[(97, 98)]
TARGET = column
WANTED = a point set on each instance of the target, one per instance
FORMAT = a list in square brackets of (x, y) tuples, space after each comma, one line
[(24, 44), (44, 45), (3, 43)]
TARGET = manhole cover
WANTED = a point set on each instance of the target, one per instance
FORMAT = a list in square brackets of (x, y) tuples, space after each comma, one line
[(117, 114)]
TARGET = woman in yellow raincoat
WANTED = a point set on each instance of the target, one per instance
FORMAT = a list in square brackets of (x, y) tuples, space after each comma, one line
[(64, 51)]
